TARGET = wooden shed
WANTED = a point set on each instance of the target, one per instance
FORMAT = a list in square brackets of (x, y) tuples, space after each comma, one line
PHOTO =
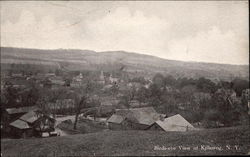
[(21, 129), (115, 122)]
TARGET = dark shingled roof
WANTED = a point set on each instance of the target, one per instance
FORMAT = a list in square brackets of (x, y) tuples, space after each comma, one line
[(144, 115)]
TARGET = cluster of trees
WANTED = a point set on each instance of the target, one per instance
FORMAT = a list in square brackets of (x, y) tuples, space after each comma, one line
[(196, 99), (14, 97), (140, 79), (42, 97)]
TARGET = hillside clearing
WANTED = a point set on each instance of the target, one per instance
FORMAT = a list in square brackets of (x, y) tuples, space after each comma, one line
[(86, 60), (134, 143)]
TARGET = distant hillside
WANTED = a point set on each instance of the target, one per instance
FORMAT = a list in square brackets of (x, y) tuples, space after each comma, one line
[(114, 60)]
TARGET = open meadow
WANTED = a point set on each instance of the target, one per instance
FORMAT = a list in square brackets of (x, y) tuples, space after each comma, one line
[(222, 141)]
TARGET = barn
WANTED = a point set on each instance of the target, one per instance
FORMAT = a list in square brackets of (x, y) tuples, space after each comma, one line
[(32, 124), (173, 123), (134, 119), (142, 118), (13, 114), (9, 115)]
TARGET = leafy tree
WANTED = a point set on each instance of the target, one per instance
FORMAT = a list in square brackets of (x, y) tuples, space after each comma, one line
[(238, 85), (159, 80), (169, 101), (210, 117), (206, 85), (128, 96), (139, 80), (11, 95), (227, 109), (224, 84), (125, 101), (189, 89), (142, 94), (155, 91), (170, 80), (3, 99), (181, 82), (30, 97)]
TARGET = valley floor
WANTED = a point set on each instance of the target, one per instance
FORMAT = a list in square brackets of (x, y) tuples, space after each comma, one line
[(222, 141)]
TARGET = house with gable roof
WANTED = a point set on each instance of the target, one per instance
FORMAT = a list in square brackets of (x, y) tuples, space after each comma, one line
[(32, 123), (134, 119), (173, 123)]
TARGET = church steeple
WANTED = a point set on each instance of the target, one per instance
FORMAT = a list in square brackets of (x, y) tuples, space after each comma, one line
[(80, 76)]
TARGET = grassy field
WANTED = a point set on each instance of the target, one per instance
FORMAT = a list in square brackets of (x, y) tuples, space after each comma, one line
[(136, 143)]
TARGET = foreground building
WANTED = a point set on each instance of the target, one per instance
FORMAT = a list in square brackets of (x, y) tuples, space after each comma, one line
[(173, 123), (9, 115), (25, 122), (32, 124), (20, 128)]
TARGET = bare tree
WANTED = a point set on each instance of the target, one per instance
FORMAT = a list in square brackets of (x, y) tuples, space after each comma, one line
[(50, 97), (42, 105), (54, 96), (81, 99), (80, 102)]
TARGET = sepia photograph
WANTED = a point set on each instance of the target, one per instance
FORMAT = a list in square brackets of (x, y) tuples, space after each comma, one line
[(124, 78)]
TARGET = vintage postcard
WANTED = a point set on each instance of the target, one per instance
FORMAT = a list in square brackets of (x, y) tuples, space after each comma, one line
[(124, 78)]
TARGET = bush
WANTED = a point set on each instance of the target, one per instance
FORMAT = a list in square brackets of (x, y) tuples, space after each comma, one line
[(210, 118)]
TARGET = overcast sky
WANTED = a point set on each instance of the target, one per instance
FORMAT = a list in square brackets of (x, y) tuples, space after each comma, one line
[(191, 31)]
